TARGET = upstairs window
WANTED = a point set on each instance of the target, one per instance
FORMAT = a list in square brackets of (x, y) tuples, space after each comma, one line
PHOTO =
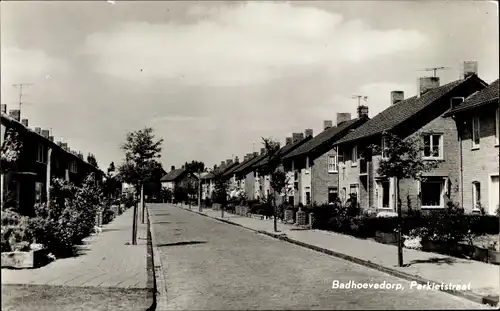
[(41, 154), (475, 132), (497, 128), (384, 146), (433, 146), (354, 155), (332, 164)]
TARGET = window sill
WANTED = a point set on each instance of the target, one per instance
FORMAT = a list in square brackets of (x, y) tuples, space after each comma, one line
[(385, 208), (333, 172), (475, 148), (432, 207), (354, 165), (432, 159)]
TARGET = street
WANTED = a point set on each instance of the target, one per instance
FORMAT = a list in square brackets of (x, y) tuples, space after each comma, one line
[(213, 265)]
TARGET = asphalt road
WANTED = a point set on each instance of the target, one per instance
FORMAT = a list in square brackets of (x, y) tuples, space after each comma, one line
[(210, 265)]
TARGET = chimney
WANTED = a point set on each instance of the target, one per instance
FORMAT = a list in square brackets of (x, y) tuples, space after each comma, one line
[(15, 114), (296, 137), (469, 68), (262, 150), (38, 130), (229, 161), (51, 138), (308, 132), (362, 111), (24, 122), (245, 157), (342, 117), (327, 124), (172, 167), (397, 96), (222, 163), (64, 146), (236, 159), (3, 108), (427, 83), (45, 133), (289, 140), (249, 155), (255, 154)]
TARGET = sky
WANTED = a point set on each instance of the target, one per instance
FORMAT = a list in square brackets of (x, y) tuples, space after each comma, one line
[(213, 78)]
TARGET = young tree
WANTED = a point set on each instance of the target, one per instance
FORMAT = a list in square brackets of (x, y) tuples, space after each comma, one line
[(278, 178), (402, 159), (92, 160), (220, 189), (141, 151)]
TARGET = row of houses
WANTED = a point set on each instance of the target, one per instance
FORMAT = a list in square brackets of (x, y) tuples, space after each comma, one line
[(457, 122), (28, 181)]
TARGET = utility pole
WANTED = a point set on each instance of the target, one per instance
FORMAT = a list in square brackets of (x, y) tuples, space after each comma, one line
[(199, 189), (21, 86), (434, 69)]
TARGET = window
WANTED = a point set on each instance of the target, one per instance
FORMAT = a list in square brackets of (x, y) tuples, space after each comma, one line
[(475, 132), (354, 189), (332, 195), (497, 128), (73, 168), (384, 146), (39, 192), (290, 200), (308, 197), (41, 155), (432, 193), (476, 195), (332, 164), (383, 193), (433, 146), (354, 156)]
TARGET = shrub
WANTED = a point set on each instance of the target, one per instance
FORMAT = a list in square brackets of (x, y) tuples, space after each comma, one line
[(107, 216), (15, 233)]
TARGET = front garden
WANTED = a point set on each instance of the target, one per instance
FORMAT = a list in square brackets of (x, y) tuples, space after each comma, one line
[(58, 226)]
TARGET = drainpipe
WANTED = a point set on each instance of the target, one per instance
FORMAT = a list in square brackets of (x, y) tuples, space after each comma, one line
[(461, 164), (47, 184)]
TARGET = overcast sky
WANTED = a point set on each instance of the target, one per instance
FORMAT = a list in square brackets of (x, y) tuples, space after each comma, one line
[(212, 78)]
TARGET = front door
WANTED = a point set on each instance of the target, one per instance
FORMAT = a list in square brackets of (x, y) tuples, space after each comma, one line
[(494, 193)]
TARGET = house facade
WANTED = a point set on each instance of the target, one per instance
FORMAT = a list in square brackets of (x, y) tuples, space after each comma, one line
[(315, 163), (421, 117), (40, 160), (477, 122)]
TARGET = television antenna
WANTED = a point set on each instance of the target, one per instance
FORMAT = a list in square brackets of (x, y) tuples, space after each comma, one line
[(359, 97), (435, 69), (21, 86)]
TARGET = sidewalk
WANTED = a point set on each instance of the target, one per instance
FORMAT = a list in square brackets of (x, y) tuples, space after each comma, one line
[(421, 266), (106, 261)]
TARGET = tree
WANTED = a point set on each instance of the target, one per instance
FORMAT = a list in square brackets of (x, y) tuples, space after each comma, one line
[(92, 160), (402, 159), (111, 167), (194, 167), (141, 151), (278, 178), (220, 189)]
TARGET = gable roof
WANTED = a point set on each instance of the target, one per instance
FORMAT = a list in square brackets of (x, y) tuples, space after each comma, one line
[(400, 112), (233, 168), (489, 95), (284, 150), (328, 136), (173, 175), (250, 163)]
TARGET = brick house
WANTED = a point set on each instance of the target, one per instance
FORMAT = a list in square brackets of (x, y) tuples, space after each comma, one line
[(178, 178), (40, 160), (246, 177), (208, 183), (477, 120), (263, 181), (315, 163), (418, 116)]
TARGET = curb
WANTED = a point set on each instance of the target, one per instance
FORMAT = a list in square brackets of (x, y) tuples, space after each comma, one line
[(489, 300), (151, 283), (160, 286)]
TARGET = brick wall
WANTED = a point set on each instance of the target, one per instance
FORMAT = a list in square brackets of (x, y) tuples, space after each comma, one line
[(250, 185), (321, 179), (479, 164)]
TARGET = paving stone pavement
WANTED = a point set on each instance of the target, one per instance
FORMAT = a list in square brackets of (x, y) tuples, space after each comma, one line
[(106, 261), (484, 278)]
